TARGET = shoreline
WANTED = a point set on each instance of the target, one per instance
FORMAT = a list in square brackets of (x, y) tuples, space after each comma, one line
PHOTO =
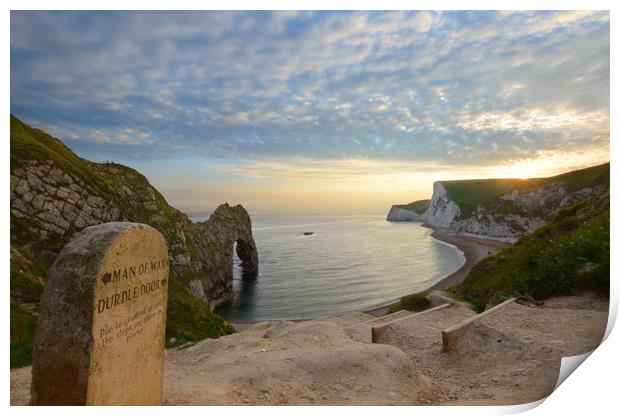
[(473, 248)]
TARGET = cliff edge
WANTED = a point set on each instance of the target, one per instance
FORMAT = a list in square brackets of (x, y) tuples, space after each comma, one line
[(503, 209), (409, 212), (55, 194)]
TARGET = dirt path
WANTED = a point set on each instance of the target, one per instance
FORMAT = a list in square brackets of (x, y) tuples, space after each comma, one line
[(510, 357), (283, 363)]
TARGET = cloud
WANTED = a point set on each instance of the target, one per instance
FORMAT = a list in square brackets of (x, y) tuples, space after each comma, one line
[(455, 88)]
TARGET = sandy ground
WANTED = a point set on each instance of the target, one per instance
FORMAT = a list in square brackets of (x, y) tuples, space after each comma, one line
[(314, 362), (511, 356), (508, 357), (474, 248)]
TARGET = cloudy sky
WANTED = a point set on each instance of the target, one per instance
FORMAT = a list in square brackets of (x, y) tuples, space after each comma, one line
[(327, 112)]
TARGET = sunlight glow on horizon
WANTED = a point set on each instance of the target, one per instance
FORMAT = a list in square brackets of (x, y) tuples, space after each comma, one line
[(351, 186), (317, 112)]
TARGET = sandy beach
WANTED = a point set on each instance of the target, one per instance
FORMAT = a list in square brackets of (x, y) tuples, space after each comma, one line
[(474, 249)]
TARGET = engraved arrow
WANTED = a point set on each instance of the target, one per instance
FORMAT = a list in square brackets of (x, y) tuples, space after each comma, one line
[(106, 278)]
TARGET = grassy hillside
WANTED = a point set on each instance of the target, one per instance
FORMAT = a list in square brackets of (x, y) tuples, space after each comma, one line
[(419, 207), (469, 193), (567, 255), (29, 143), (188, 319)]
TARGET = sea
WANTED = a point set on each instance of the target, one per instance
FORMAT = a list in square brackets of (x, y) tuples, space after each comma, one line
[(348, 263)]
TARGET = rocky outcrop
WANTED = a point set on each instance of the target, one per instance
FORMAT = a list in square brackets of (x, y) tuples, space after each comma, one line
[(402, 214), (227, 230), (409, 212), (533, 209), (442, 211), (505, 209), (55, 194), (55, 202)]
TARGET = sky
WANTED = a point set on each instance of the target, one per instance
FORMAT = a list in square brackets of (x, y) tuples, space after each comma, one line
[(317, 112)]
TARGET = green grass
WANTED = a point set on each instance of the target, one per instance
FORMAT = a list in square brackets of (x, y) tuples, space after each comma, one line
[(189, 320), (568, 255), (27, 276), (191, 246), (469, 193), (415, 303), (21, 230), (418, 207), (26, 286), (579, 179), (28, 143), (23, 327)]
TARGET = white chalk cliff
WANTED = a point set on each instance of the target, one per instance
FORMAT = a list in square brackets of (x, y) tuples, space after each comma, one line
[(442, 211), (512, 214), (403, 214)]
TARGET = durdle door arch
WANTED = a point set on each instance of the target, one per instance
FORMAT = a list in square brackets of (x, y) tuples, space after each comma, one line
[(246, 251), (101, 334)]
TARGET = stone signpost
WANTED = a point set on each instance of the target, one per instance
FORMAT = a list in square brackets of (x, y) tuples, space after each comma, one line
[(101, 334)]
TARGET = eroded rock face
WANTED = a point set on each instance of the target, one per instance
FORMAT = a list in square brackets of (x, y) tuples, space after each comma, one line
[(51, 202), (54, 202), (215, 245), (401, 214), (442, 211), (532, 208), (535, 207)]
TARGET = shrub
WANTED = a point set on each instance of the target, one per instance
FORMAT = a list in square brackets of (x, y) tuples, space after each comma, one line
[(566, 256), (189, 320), (415, 303), (23, 326)]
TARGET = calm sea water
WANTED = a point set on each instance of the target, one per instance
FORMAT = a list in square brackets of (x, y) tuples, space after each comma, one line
[(349, 263)]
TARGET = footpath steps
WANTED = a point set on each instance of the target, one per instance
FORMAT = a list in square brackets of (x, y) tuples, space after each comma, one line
[(449, 335), (378, 330), (420, 337), (447, 322), (361, 331), (510, 355), (388, 317), (452, 334)]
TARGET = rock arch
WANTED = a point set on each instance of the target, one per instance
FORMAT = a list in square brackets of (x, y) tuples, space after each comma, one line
[(247, 253), (216, 246)]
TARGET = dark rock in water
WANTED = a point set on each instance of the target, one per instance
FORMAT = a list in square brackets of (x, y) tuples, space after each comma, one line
[(215, 243), (308, 233)]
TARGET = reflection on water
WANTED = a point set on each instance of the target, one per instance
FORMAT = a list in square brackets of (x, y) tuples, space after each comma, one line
[(245, 290), (348, 263)]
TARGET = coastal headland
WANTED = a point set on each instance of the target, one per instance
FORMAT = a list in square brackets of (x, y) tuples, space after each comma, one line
[(507, 357)]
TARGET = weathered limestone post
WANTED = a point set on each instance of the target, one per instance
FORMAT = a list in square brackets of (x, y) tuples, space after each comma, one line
[(101, 333)]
